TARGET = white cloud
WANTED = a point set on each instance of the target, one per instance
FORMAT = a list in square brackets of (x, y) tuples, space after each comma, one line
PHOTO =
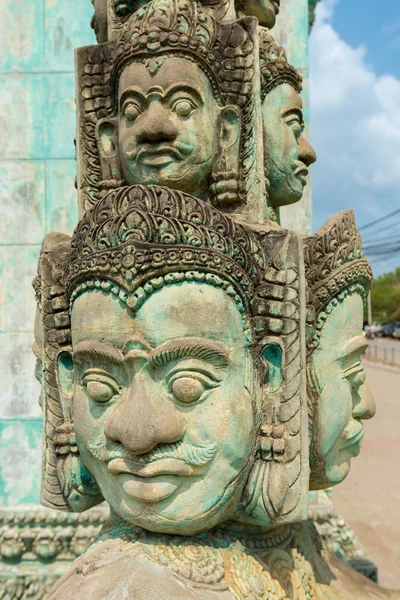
[(355, 125)]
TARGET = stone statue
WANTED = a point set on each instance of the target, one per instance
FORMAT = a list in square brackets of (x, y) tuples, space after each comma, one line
[(339, 280), (184, 378), (287, 154), (181, 424)]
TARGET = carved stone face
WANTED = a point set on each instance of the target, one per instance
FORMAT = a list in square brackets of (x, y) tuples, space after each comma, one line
[(344, 396), (167, 125), (99, 20), (287, 154), (163, 404), (265, 10)]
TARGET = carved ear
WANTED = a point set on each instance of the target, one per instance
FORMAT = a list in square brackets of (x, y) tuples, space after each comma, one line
[(225, 188), (65, 373), (107, 142), (78, 485), (271, 355), (230, 127)]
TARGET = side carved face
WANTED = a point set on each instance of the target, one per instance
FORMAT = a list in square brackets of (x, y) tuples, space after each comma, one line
[(164, 404), (344, 397), (99, 20), (169, 126), (287, 154)]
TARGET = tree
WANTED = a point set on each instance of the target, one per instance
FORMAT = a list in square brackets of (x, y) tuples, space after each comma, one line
[(385, 297)]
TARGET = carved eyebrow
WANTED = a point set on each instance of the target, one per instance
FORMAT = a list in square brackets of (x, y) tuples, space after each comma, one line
[(97, 350), (293, 110), (173, 89), (132, 91), (357, 344), (208, 350)]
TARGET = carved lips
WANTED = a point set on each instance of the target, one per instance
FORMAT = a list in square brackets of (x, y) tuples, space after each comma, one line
[(151, 482), (301, 172), (353, 435), (276, 4), (158, 156), (166, 466)]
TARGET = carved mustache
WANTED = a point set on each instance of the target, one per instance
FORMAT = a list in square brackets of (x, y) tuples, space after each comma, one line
[(185, 452), (178, 151)]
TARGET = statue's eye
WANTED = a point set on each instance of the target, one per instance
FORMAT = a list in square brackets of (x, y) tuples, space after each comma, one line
[(131, 111), (100, 390), (296, 125), (183, 108), (187, 389), (356, 376)]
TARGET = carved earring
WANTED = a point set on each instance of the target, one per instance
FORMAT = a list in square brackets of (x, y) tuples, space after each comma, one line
[(226, 188), (107, 142), (78, 485)]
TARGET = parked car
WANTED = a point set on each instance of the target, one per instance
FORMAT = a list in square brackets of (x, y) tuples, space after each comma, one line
[(387, 329), (396, 332), (373, 330)]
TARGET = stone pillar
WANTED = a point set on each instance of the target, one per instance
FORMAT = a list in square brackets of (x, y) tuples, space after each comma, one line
[(37, 195)]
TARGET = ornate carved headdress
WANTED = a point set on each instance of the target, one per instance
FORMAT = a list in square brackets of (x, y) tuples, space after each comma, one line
[(274, 65), (334, 262), (138, 239)]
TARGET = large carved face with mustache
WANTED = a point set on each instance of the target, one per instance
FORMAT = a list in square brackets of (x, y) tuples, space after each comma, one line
[(167, 125), (165, 404)]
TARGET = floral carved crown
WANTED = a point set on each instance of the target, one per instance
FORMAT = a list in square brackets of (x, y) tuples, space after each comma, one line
[(334, 262), (274, 65)]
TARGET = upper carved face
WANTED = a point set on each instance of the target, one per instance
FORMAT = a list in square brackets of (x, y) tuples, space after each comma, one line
[(163, 404), (287, 154), (167, 125), (344, 397)]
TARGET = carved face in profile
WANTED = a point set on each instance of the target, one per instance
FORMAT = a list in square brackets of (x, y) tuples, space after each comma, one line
[(169, 125), (344, 397), (99, 20), (287, 154), (164, 404)]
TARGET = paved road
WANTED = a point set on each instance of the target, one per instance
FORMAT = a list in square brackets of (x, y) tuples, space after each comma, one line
[(369, 498)]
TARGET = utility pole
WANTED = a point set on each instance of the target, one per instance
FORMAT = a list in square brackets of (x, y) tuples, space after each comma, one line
[(369, 309)]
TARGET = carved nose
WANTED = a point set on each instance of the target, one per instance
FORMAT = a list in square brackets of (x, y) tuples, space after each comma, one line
[(156, 126), (366, 407), (140, 423), (306, 152)]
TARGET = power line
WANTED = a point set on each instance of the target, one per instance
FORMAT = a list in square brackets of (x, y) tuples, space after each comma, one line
[(381, 243), (395, 212), (385, 228)]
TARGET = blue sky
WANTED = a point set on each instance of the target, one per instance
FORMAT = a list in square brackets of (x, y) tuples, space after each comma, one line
[(355, 114)]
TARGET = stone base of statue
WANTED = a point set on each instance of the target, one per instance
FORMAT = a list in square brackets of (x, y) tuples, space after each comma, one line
[(230, 562)]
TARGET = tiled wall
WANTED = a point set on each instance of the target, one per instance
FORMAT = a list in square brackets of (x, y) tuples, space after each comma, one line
[(37, 195)]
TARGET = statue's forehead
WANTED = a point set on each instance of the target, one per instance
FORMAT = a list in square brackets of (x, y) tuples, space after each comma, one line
[(284, 96), (175, 311), (172, 71), (342, 324)]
